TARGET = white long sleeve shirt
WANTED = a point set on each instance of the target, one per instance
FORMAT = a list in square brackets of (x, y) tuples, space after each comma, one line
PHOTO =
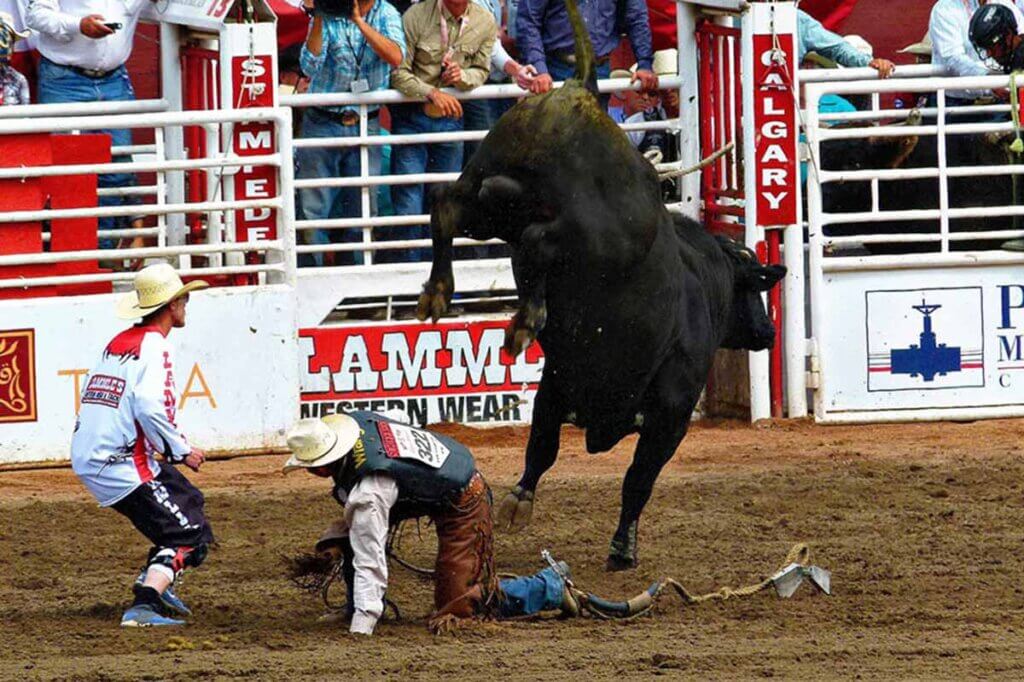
[(128, 407), (951, 44), (56, 24), (365, 523)]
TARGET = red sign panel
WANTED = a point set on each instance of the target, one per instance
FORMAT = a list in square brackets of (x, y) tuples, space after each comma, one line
[(446, 372), (252, 87), (775, 131), (18, 376)]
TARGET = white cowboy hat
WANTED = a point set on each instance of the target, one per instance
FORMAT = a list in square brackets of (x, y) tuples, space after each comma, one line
[(923, 47), (860, 44), (318, 442), (155, 286), (665, 63), (8, 21)]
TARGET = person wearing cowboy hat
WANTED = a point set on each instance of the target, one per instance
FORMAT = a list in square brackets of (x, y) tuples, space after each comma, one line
[(384, 472), (127, 417), (13, 85)]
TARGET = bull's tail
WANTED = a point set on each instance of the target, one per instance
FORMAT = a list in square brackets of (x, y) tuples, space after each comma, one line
[(584, 49)]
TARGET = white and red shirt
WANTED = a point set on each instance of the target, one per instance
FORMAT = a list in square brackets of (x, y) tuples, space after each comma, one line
[(128, 407)]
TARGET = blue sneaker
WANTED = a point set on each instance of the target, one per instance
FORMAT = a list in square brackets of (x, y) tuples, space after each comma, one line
[(169, 599), (145, 616)]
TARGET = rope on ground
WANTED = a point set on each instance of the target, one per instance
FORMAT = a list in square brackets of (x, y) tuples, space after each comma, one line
[(643, 603)]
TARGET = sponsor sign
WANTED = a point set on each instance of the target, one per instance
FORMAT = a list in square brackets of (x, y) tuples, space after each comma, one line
[(935, 339), (775, 115), (17, 376), (454, 372)]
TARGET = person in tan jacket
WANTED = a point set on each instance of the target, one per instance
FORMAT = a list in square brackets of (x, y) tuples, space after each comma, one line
[(449, 45)]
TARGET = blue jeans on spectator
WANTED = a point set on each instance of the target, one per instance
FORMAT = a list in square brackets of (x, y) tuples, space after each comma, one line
[(322, 203), (477, 114), (527, 595), (406, 159), (560, 71), (61, 84)]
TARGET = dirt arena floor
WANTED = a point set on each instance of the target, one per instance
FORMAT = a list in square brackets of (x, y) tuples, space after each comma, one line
[(921, 525)]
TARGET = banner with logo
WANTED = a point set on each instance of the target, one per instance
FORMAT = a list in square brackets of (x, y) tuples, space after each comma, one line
[(450, 372), (920, 342)]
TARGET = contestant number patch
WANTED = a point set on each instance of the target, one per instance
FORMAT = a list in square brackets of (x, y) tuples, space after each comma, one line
[(405, 442), (104, 390)]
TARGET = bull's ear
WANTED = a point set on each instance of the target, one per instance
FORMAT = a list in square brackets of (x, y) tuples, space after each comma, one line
[(766, 277), (498, 187)]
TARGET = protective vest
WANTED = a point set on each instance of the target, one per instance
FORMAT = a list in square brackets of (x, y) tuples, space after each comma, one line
[(430, 470)]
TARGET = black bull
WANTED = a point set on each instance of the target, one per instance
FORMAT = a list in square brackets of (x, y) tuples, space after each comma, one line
[(628, 302)]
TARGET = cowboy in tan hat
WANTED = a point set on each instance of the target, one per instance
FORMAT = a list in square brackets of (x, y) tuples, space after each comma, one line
[(13, 85), (127, 417), (385, 472)]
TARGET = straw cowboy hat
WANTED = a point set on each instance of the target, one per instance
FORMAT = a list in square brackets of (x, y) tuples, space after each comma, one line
[(7, 21), (665, 63), (318, 442), (922, 47), (155, 286)]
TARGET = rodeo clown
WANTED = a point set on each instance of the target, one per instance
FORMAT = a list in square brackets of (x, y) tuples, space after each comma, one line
[(385, 472), (128, 407)]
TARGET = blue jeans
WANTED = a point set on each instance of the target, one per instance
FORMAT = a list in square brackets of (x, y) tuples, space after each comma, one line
[(477, 114), (560, 71), (322, 203), (527, 595), (440, 157), (61, 84)]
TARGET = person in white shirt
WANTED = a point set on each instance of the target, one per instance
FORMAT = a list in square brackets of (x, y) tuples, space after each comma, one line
[(385, 472), (127, 417), (952, 49), (84, 46)]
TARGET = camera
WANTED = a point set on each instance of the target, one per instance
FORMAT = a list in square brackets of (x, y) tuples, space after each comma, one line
[(334, 8)]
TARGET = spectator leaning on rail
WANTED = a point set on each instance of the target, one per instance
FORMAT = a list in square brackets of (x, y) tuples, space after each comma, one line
[(13, 85), (811, 36), (351, 47), (449, 43), (996, 35), (948, 29), (84, 46), (126, 418), (544, 38)]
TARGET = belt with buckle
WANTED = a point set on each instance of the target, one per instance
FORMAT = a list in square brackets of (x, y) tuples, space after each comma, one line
[(346, 118), (569, 57), (96, 74)]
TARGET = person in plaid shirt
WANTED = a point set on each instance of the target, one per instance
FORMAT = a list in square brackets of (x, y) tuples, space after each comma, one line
[(343, 54)]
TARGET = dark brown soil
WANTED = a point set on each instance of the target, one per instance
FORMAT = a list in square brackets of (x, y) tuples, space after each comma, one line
[(920, 524)]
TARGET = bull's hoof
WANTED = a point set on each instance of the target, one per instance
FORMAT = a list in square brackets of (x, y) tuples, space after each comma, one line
[(620, 563), (524, 327), (433, 302), (515, 509)]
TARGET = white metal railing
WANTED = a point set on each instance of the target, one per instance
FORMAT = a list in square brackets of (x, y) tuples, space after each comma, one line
[(220, 255), (366, 183)]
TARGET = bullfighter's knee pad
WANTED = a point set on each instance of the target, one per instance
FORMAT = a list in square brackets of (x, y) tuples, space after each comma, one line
[(171, 561)]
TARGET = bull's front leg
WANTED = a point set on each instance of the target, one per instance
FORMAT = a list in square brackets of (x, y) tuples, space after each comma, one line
[(440, 286), (536, 251), (541, 451), (654, 449)]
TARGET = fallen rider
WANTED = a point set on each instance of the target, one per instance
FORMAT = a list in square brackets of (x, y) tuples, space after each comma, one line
[(386, 472)]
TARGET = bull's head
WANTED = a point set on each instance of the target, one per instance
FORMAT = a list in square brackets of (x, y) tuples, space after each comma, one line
[(749, 326)]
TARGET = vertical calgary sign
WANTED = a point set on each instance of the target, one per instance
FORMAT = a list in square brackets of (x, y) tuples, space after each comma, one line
[(775, 113), (455, 372)]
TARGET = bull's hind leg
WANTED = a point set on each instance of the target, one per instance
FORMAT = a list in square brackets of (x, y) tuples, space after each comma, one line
[(534, 254), (541, 451), (655, 448)]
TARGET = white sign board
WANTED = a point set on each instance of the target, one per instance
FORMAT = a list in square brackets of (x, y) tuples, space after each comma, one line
[(235, 369), (922, 344)]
